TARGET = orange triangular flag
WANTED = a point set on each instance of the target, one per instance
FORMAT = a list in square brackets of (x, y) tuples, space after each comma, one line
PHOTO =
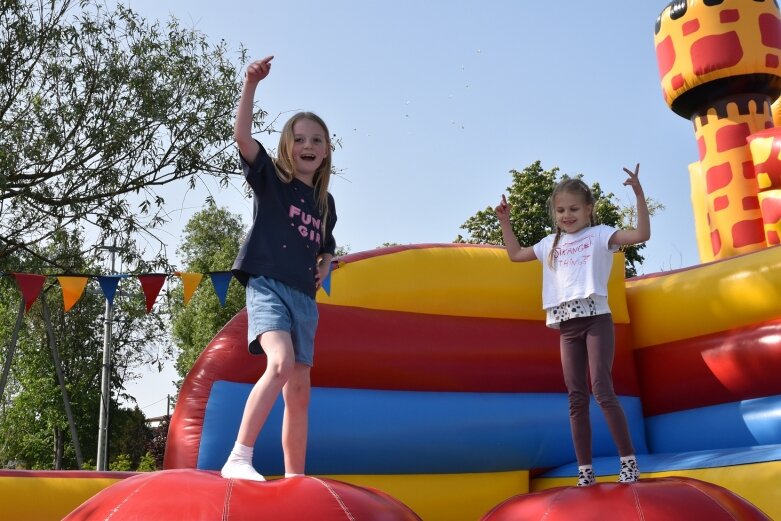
[(30, 285), (72, 289), (151, 284), (190, 281)]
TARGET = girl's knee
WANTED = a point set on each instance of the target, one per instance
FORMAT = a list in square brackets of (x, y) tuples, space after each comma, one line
[(281, 368), (606, 400), (578, 398)]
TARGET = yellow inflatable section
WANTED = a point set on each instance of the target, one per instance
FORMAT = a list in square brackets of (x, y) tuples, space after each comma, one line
[(447, 497), (455, 280), (41, 496), (713, 297)]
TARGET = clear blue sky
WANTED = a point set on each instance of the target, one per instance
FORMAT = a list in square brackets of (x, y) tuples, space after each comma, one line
[(436, 101)]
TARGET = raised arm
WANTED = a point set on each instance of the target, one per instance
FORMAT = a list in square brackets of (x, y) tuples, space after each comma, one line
[(515, 251), (643, 230), (242, 128)]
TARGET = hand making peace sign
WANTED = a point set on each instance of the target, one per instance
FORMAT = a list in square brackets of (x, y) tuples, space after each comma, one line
[(634, 179)]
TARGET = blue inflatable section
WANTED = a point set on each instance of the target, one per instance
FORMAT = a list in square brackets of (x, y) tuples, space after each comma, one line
[(701, 459), (359, 431), (738, 424)]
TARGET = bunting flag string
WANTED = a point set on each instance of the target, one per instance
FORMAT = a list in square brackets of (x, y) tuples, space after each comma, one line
[(73, 286)]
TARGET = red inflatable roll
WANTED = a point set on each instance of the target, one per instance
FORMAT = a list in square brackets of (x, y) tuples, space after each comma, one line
[(191, 495), (649, 499)]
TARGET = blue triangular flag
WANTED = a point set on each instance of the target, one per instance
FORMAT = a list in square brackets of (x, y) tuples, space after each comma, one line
[(220, 281), (326, 284), (108, 283)]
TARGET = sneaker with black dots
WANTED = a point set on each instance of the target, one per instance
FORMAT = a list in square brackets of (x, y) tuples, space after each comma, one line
[(586, 477), (629, 472)]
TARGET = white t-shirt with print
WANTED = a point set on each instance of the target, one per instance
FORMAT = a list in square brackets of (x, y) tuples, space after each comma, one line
[(582, 263)]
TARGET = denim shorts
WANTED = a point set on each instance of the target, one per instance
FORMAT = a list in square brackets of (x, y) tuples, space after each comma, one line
[(274, 306)]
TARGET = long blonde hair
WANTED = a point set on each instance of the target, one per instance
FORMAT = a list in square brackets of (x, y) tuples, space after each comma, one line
[(570, 186), (286, 167)]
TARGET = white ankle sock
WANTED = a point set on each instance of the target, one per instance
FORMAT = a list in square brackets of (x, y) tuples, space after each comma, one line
[(293, 475), (243, 452), (628, 458), (239, 464), (585, 467)]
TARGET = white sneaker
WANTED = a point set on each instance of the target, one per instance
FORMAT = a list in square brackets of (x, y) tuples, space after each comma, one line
[(240, 470)]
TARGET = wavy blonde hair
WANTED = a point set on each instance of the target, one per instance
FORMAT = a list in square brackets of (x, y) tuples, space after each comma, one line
[(286, 166), (570, 186)]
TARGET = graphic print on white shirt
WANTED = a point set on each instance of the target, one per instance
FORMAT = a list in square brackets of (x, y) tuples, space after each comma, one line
[(573, 253), (581, 265)]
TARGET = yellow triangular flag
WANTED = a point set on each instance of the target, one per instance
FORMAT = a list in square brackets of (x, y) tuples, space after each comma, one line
[(72, 289), (191, 281)]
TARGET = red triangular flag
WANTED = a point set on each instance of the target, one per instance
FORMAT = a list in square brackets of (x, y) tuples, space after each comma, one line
[(30, 285), (151, 283)]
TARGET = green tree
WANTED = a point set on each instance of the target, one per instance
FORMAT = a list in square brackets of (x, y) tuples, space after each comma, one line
[(528, 196), (129, 435), (210, 242), (34, 432), (121, 463), (147, 463), (99, 109), (156, 445)]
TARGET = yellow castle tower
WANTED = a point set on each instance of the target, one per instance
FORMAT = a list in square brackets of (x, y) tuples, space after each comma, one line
[(720, 66)]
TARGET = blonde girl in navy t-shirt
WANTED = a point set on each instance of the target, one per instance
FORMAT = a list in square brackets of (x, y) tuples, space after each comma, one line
[(285, 256), (577, 260)]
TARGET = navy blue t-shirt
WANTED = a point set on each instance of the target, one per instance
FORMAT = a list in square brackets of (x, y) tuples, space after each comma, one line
[(285, 239)]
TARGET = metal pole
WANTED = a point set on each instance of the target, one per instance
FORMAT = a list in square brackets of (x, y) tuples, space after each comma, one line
[(105, 380), (61, 379), (9, 353)]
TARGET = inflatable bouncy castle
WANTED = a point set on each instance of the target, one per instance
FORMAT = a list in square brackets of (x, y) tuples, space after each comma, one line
[(437, 381)]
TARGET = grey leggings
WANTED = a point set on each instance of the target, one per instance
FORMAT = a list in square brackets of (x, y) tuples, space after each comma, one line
[(588, 344)]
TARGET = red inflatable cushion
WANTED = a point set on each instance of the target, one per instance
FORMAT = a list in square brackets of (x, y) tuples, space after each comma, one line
[(189, 495), (659, 499)]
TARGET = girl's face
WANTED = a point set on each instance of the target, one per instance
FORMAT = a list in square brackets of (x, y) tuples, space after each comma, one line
[(571, 211), (310, 148)]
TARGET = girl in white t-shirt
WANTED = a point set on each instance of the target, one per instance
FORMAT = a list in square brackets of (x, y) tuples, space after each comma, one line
[(577, 260)]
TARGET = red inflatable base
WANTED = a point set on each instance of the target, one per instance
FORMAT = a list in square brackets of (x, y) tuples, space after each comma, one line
[(661, 499), (189, 495)]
